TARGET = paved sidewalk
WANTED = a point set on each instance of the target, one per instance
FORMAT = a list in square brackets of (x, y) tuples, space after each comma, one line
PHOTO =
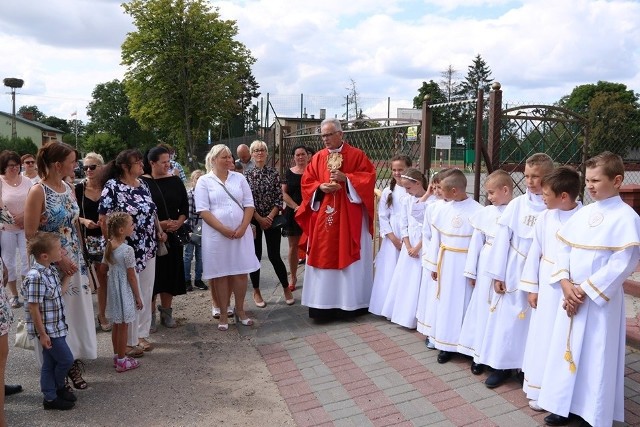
[(370, 372)]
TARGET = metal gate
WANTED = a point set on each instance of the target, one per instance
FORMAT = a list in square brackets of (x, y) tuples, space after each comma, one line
[(518, 132)]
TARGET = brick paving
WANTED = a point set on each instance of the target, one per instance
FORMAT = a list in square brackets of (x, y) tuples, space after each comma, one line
[(374, 373)]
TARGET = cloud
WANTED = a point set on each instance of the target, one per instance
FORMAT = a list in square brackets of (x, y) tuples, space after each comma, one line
[(538, 49)]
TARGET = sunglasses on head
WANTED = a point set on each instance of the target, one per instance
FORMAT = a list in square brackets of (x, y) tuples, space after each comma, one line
[(90, 167)]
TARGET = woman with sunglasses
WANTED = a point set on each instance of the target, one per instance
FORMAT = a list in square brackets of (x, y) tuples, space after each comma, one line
[(14, 194), (29, 168), (88, 197)]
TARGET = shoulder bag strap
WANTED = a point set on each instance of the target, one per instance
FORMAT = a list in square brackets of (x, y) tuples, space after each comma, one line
[(162, 196), (230, 195)]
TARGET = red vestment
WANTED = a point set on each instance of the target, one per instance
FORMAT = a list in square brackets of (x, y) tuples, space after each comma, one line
[(334, 239)]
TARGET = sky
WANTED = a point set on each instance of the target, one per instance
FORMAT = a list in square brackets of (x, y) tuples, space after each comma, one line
[(539, 50)]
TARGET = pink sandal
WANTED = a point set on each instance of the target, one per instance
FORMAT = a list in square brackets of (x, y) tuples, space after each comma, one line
[(127, 364)]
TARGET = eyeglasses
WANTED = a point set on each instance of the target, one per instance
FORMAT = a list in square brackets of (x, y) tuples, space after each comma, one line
[(327, 135), (136, 162), (259, 150), (13, 165), (29, 162), (90, 167)]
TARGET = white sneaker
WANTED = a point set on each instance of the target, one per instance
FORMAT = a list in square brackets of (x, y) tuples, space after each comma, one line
[(533, 404)]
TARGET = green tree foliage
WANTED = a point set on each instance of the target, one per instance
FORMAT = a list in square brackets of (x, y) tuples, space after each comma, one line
[(106, 144), (184, 68), (19, 145), (34, 110), (612, 112), (478, 77), (56, 122)]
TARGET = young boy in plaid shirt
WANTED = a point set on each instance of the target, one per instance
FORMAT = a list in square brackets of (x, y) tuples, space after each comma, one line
[(42, 292)]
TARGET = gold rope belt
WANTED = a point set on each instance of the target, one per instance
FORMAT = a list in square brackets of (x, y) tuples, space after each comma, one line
[(444, 248)]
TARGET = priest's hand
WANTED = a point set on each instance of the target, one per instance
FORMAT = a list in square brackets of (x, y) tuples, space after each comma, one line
[(499, 287), (532, 298), (329, 187), (338, 176)]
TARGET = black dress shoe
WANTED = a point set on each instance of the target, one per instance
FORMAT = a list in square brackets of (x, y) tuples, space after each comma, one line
[(12, 389), (66, 394), (498, 377), (444, 356), (58, 404), (477, 368), (556, 420)]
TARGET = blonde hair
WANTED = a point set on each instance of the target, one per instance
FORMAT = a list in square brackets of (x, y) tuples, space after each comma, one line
[(94, 156), (213, 153), (455, 178), (257, 144), (115, 221), (541, 159), (501, 178), (195, 175)]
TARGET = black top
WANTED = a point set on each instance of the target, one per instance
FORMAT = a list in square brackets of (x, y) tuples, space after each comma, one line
[(88, 209), (170, 196)]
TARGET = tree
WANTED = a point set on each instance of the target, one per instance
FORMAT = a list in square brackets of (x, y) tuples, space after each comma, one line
[(106, 144), (449, 85), (478, 77), (612, 112), (33, 110), (56, 122), (184, 68), (19, 145), (436, 96), (109, 112), (352, 101)]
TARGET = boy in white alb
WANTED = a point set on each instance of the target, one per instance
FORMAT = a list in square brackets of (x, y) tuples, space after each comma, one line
[(450, 237), (600, 248), (427, 295), (499, 187), (560, 190), (506, 330)]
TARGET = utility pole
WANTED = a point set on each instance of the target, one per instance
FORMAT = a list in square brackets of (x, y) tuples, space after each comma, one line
[(14, 84)]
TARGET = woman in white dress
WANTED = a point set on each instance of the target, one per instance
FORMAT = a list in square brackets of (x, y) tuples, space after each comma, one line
[(389, 212), (225, 204)]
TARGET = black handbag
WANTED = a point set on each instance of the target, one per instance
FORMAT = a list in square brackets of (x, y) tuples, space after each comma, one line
[(279, 221), (196, 234)]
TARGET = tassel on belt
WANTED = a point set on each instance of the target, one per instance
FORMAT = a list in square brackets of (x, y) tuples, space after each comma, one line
[(444, 248)]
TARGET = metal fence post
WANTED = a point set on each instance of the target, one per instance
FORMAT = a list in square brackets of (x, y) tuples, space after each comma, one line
[(495, 113), (425, 137), (478, 163)]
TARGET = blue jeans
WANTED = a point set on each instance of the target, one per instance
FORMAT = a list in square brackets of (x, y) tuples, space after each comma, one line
[(189, 250), (56, 363)]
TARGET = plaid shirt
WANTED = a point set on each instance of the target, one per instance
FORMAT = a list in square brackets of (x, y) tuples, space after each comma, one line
[(42, 286), (194, 216)]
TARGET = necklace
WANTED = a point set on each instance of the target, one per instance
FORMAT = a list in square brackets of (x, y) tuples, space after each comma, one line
[(18, 179)]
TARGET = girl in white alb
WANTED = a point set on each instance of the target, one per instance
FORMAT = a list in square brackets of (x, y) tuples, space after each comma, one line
[(389, 213)]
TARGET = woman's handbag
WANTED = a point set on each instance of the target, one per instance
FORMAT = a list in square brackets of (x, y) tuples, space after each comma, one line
[(182, 234), (278, 221), (22, 337), (162, 247), (196, 235)]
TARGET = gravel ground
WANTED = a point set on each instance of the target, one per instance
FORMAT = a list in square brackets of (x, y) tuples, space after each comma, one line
[(195, 376)]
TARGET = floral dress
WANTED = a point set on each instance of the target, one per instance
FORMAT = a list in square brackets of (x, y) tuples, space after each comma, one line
[(6, 315), (61, 215), (136, 201)]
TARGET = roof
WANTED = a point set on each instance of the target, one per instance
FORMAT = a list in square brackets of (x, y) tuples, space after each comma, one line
[(39, 125)]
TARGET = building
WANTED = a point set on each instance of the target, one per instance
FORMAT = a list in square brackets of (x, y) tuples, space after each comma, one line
[(39, 133)]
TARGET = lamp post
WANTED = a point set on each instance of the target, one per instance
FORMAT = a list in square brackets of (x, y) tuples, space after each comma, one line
[(14, 84)]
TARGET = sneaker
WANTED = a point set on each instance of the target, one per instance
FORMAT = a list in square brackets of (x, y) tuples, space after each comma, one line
[(15, 302), (188, 285), (533, 404), (58, 403), (429, 344), (66, 394), (201, 285), (127, 364)]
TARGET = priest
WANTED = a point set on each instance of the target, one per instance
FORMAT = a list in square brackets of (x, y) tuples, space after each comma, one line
[(336, 214)]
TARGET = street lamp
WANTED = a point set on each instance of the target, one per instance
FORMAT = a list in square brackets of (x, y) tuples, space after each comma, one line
[(14, 84)]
